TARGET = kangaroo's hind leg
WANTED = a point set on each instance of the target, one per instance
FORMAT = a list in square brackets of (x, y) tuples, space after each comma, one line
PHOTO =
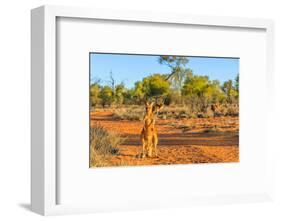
[(149, 146), (143, 146), (155, 143)]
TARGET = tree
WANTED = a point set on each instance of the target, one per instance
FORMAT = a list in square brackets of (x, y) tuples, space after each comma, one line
[(106, 96), (200, 92), (138, 92), (112, 83), (155, 86), (119, 94), (237, 83), (213, 92), (230, 91), (94, 94), (128, 96), (195, 85), (178, 70)]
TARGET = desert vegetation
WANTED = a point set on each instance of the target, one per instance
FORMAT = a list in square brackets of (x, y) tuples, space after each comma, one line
[(194, 107), (103, 143)]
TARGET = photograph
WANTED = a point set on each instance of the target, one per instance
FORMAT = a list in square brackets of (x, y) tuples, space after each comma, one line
[(149, 110)]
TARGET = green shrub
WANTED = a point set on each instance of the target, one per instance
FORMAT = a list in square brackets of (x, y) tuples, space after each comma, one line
[(155, 86), (106, 96)]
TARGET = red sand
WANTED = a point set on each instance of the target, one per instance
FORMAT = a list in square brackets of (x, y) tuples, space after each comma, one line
[(206, 140)]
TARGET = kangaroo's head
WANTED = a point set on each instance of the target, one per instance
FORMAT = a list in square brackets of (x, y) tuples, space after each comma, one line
[(149, 108), (152, 108)]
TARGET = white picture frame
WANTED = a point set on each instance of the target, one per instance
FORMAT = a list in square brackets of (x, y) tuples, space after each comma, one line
[(44, 103)]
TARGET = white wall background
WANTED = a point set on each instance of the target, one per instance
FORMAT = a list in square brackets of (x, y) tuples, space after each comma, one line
[(15, 107)]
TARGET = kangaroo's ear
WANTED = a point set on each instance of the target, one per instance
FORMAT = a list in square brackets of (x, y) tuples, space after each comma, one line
[(158, 107)]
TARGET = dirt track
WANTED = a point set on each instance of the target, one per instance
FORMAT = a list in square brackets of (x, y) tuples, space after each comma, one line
[(198, 142)]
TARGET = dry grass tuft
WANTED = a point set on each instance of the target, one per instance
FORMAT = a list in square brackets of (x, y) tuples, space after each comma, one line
[(129, 113), (103, 143), (136, 113)]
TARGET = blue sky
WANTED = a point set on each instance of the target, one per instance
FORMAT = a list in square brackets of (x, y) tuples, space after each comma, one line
[(132, 68)]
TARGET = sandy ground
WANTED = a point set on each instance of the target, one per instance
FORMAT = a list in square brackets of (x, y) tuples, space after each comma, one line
[(201, 140)]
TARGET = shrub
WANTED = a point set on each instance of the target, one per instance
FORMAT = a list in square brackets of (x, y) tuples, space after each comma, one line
[(155, 86), (133, 113), (173, 97), (103, 143), (106, 96), (199, 93), (94, 95), (232, 110), (227, 109), (172, 112)]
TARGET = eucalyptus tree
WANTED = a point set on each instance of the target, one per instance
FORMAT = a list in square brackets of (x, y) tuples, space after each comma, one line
[(178, 70)]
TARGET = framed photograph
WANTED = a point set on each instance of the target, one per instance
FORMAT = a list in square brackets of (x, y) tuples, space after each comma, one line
[(136, 110), (191, 115)]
